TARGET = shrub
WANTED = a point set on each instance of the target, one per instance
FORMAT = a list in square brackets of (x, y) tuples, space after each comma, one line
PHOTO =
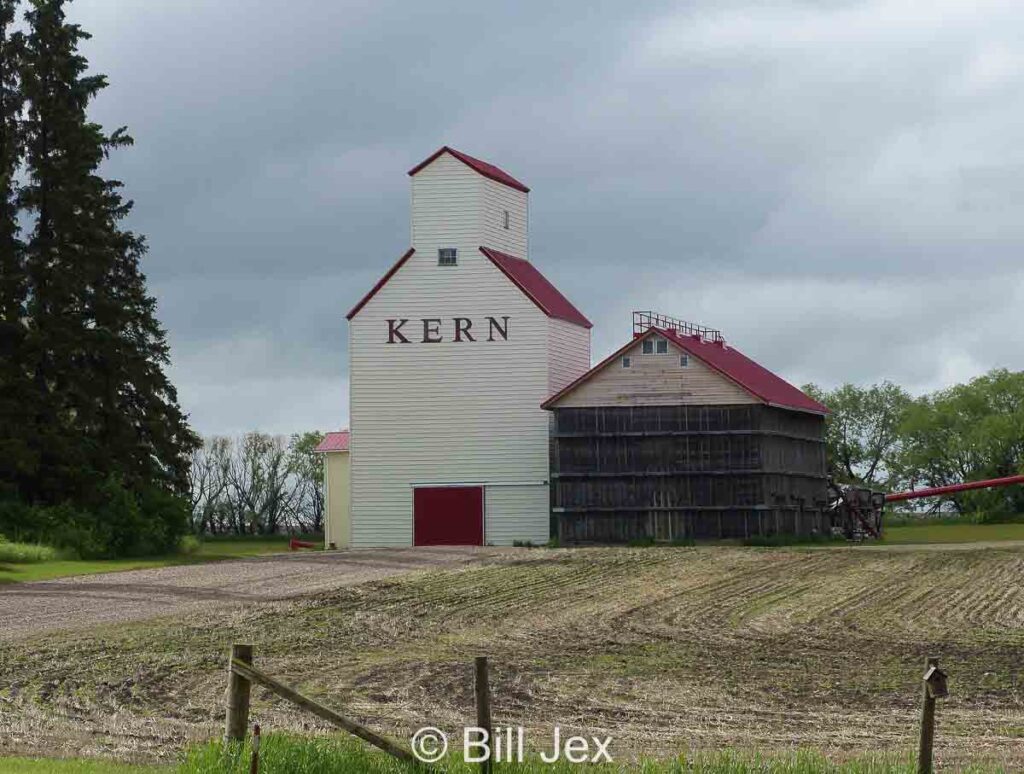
[(24, 553), (16, 519), (189, 545), (117, 523), (167, 519)]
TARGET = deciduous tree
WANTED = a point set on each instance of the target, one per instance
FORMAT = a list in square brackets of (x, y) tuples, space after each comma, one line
[(965, 433), (308, 466), (862, 433)]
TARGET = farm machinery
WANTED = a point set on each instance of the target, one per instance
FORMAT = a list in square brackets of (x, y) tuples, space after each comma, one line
[(858, 510)]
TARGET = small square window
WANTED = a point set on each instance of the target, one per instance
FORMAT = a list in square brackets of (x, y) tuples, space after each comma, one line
[(662, 346), (627, 362), (648, 347), (447, 256), (504, 219), (684, 360)]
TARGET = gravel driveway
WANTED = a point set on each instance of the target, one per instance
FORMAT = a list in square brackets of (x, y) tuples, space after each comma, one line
[(71, 603)]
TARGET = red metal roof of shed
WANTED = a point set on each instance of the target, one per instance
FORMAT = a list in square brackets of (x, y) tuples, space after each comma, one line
[(334, 442), (751, 376), (535, 285), (485, 169), (730, 362)]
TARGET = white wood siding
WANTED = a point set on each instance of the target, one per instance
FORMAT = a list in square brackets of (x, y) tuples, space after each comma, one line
[(447, 208), (497, 199), (455, 206), (465, 412), (517, 513), (656, 380), (456, 412), (568, 354)]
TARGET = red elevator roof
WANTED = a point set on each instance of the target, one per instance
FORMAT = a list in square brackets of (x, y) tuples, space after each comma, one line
[(523, 275), (484, 168), (535, 285)]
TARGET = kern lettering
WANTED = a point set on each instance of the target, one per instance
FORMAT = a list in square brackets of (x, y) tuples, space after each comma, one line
[(435, 330)]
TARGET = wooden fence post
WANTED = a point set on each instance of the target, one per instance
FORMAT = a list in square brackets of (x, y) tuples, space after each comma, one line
[(253, 675), (237, 720), (924, 752), (483, 709), (254, 761)]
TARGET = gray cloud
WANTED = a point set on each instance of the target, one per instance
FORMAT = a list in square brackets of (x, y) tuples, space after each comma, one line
[(836, 185)]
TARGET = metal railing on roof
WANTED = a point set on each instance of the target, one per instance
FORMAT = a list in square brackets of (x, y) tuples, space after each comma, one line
[(643, 321)]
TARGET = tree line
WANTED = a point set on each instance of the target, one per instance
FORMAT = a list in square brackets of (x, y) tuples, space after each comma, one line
[(881, 436), (94, 447), (257, 484)]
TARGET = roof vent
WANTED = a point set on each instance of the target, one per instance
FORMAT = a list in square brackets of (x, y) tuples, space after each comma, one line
[(644, 321)]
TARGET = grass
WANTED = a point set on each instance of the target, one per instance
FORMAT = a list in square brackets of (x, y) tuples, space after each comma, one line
[(75, 766), (213, 549), (702, 648), (953, 533), (292, 754), (286, 754)]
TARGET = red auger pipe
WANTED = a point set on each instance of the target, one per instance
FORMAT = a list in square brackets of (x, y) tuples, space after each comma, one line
[(941, 490)]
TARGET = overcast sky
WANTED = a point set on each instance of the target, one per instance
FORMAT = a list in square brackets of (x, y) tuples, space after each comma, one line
[(839, 186)]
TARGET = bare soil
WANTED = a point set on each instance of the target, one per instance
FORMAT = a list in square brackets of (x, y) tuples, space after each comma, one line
[(661, 648), (135, 595)]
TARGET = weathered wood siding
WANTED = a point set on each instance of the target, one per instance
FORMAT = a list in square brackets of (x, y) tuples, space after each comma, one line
[(656, 380), (686, 471)]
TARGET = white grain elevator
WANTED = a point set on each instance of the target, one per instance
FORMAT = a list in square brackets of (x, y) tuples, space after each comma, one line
[(451, 355)]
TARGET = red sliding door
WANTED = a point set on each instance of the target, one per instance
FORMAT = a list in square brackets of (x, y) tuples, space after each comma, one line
[(448, 516)]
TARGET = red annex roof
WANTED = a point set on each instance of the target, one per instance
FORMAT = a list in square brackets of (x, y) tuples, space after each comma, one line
[(535, 285), (728, 361), (334, 442), (485, 169)]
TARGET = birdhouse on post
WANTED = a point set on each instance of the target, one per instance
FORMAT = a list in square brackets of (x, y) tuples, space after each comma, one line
[(935, 681)]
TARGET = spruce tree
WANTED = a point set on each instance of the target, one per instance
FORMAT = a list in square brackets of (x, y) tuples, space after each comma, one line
[(99, 353), (17, 458)]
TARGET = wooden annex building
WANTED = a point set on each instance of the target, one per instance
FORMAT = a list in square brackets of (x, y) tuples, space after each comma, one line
[(679, 436)]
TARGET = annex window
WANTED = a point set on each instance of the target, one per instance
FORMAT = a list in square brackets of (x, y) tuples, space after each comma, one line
[(662, 346), (504, 219), (627, 362), (648, 347), (447, 256), (684, 360)]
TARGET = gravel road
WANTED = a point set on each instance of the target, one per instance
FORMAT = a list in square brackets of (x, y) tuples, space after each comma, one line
[(28, 609)]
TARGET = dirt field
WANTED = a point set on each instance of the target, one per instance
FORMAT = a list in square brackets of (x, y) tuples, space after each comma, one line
[(136, 595), (661, 648)]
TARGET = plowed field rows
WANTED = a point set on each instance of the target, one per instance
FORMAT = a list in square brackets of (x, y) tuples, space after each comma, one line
[(660, 648)]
